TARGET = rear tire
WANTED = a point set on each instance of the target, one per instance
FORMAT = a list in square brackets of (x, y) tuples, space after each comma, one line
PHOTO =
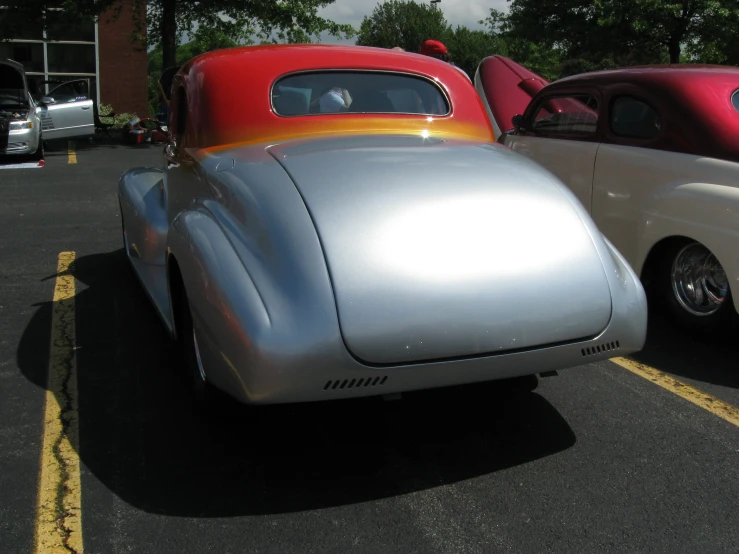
[(693, 288), (205, 398), (124, 238)]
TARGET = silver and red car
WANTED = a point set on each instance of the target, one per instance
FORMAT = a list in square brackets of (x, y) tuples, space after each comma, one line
[(353, 229)]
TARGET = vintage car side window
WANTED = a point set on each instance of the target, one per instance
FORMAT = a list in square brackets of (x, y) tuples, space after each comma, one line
[(567, 115), (631, 117), (355, 92), (735, 100)]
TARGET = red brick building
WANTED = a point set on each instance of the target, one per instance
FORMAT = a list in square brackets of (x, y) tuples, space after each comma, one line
[(101, 54), (123, 66)]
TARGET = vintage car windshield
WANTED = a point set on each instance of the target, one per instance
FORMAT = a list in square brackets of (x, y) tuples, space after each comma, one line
[(357, 92)]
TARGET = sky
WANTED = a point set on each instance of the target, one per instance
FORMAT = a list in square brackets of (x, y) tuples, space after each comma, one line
[(456, 12)]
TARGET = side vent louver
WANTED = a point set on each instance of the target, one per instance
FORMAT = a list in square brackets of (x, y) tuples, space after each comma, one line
[(599, 349), (355, 383)]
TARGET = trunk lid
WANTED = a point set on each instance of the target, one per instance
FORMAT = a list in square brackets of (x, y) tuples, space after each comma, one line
[(440, 249)]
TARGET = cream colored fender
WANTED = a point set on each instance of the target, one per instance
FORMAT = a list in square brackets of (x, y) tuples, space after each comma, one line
[(642, 196)]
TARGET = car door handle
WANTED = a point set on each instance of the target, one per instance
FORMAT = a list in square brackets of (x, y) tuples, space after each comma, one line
[(85, 107)]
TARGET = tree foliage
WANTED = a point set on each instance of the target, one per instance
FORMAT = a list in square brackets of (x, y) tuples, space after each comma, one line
[(203, 41), (402, 23), (588, 34), (469, 47), (596, 34), (407, 24), (716, 42), (539, 57)]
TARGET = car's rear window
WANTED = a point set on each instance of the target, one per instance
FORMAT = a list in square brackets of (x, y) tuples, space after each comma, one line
[(357, 92)]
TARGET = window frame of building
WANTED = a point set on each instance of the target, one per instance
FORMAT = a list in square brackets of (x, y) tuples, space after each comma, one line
[(47, 75)]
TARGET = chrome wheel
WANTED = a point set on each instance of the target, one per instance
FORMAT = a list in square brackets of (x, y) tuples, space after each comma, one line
[(698, 280)]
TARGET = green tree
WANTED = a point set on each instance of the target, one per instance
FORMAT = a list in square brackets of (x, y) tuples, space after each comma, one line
[(587, 34), (717, 42), (670, 25), (407, 24), (165, 22), (543, 59), (403, 23), (203, 41), (467, 47), (602, 33)]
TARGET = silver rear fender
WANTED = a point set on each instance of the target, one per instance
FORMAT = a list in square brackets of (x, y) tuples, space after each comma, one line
[(228, 313), (629, 319), (143, 209), (252, 332)]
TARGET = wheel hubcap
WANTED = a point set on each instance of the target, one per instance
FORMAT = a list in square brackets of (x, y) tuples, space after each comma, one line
[(698, 280)]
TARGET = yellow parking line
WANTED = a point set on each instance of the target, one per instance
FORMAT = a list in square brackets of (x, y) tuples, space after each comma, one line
[(59, 506), (71, 152), (697, 397)]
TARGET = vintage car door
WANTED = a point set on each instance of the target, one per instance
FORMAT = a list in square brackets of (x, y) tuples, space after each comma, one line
[(559, 131), (67, 111), (631, 170)]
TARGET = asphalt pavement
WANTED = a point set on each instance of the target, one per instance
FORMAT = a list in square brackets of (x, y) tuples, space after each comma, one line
[(596, 459)]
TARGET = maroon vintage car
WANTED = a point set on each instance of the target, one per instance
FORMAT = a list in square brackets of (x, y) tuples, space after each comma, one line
[(653, 154)]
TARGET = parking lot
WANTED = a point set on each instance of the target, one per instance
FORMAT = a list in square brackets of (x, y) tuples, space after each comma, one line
[(636, 456)]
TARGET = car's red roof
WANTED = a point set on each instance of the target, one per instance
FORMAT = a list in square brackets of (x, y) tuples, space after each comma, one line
[(673, 73), (698, 95), (328, 56), (230, 94), (707, 88)]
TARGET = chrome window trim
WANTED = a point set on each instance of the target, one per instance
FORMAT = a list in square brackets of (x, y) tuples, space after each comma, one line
[(432, 82)]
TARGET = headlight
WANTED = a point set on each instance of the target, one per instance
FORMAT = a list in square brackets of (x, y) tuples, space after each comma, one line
[(18, 125)]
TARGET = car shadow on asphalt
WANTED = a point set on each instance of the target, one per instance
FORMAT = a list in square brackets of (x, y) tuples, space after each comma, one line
[(81, 144), (139, 437), (669, 348)]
